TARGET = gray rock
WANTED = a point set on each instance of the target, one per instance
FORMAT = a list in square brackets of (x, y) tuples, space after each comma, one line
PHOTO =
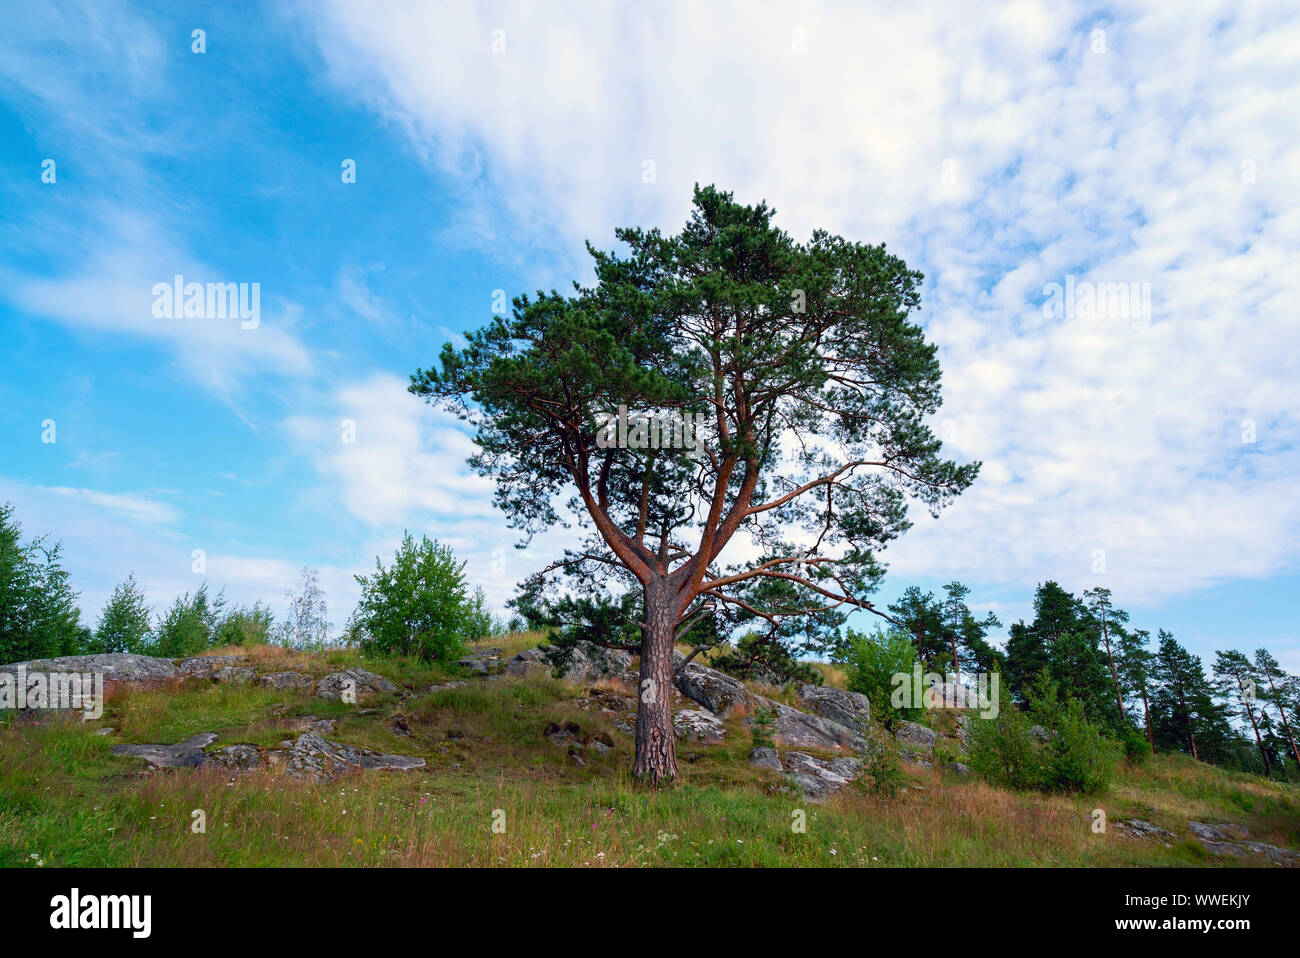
[(958, 768), (819, 778), (238, 674), (916, 737), (203, 666), (484, 662), (186, 754), (286, 680), (765, 757), (321, 760), (119, 667), (697, 725), (529, 662), (797, 729), (237, 758), (850, 709), (1271, 853), (1222, 832), (1041, 734), (1137, 828), (952, 695), (719, 693), (310, 723), (360, 681)]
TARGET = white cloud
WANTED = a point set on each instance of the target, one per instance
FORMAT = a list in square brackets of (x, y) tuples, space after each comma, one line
[(991, 148)]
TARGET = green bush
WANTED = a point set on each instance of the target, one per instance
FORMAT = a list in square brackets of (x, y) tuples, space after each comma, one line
[(872, 661), (1001, 749), (418, 606), (883, 776), (124, 624), (189, 625), (245, 626), (1078, 757), (39, 617)]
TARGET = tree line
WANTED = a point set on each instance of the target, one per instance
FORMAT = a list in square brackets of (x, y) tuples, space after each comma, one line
[(1242, 714), (419, 605)]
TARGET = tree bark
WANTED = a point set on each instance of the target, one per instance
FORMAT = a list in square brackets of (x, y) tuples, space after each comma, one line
[(1250, 713), (1282, 714), (656, 744)]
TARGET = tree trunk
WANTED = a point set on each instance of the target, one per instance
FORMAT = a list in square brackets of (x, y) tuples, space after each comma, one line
[(1285, 724), (1250, 713), (1146, 715), (656, 744), (1114, 673)]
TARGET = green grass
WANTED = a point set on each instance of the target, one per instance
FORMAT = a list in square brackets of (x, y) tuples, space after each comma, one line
[(67, 800)]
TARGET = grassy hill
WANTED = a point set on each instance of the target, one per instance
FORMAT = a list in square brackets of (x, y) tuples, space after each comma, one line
[(66, 800)]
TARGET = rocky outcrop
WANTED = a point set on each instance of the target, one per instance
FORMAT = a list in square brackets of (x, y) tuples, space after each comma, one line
[(952, 695), (698, 725), (204, 666), (186, 754), (915, 739), (360, 682), (321, 760), (584, 662), (123, 667), (1222, 832), (850, 709), (801, 730), (817, 778), (716, 691), (529, 662), (1137, 828), (1271, 853), (286, 680), (483, 662)]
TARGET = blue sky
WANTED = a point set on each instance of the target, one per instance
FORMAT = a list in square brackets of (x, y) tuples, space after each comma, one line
[(999, 151)]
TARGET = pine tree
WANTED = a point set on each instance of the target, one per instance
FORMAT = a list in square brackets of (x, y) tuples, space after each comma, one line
[(1238, 685), (1277, 681), (1110, 622), (1136, 662)]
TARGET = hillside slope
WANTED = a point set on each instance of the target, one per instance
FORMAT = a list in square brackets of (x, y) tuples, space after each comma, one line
[(464, 767)]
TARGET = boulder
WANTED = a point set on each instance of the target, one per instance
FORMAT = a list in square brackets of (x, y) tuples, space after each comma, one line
[(203, 666), (238, 674), (958, 768), (765, 757), (850, 709), (1222, 832), (819, 778), (697, 725), (237, 758), (321, 760), (917, 738), (801, 730), (528, 662), (286, 680), (484, 662), (359, 681), (1137, 828), (186, 754), (123, 667), (719, 693), (952, 695)]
